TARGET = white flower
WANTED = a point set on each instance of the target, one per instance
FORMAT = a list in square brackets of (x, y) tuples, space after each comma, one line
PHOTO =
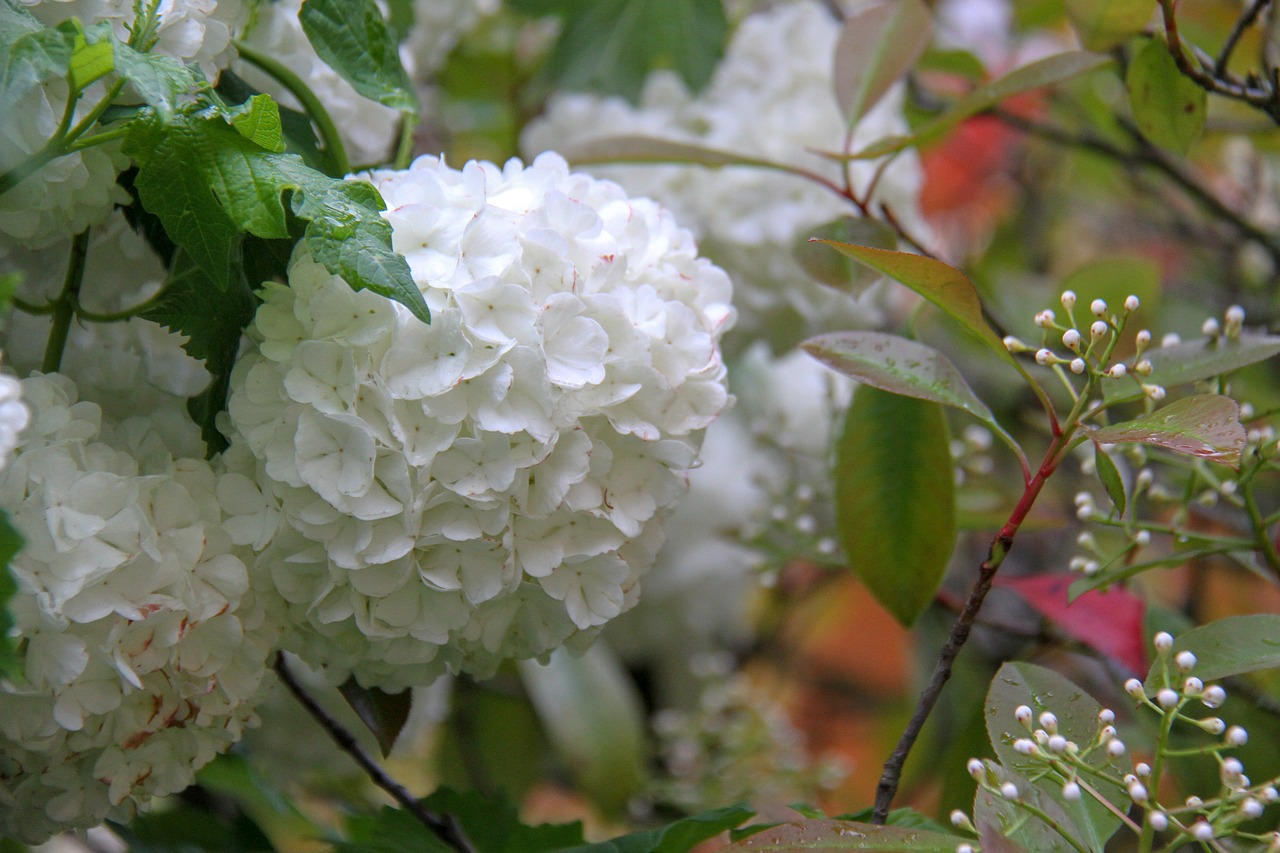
[(491, 485), (772, 97), (14, 417), (143, 645)]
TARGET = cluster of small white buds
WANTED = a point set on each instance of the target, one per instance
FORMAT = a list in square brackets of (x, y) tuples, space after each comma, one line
[(1085, 506)]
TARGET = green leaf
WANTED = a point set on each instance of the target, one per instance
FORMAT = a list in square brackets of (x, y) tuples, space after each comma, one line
[(384, 713), (30, 53), (1230, 646), (212, 320), (354, 40), (1004, 827), (1045, 690), (1103, 24), (231, 776), (943, 285), (834, 269), (90, 62), (594, 718), (679, 837), (1206, 425), (1168, 107), (878, 45), (185, 829), (258, 121), (848, 835), (11, 543), (895, 498), (161, 80), (9, 284), (1034, 75), (1193, 361), (1109, 474), (1113, 278), (648, 149), (610, 46)]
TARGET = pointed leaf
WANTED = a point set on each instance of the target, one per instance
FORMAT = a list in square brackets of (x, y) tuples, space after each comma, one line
[(258, 120), (943, 285), (30, 53), (878, 45), (1230, 646), (683, 835), (1103, 24), (384, 713), (160, 80), (1168, 107), (1193, 361), (90, 62), (1109, 474), (1206, 425), (353, 39), (829, 267), (648, 149), (895, 498), (848, 835)]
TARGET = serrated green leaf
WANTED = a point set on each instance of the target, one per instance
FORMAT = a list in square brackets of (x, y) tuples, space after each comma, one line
[(258, 121), (1206, 425), (1103, 24), (160, 80), (1041, 690), (834, 269), (610, 46), (1170, 109), (594, 718), (678, 837), (1194, 361), (1230, 646), (943, 285), (1109, 474), (849, 835), (353, 39), (383, 713), (878, 45), (11, 543), (91, 62), (895, 498)]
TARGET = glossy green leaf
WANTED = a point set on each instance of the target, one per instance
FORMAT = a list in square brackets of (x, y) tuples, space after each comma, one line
[(1206, 425), (829, 267), (895, 498), (1109, 474), (679, 837), (353, 39), (943, 285), (258, 121), (648, 149), (848, 835), (1168, 107), (879, 43), (11, 543), (595, 719), (1042, 690), (1049, 71), (1003, 827), (383, 713), (1103, 24), (1194, 361), (90, 62), (1230, 646)]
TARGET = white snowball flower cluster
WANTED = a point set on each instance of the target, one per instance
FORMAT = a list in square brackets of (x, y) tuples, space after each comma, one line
[(438, 25), (77, 190), (490, 485), (772, 96), (143, 645), (14, 417)]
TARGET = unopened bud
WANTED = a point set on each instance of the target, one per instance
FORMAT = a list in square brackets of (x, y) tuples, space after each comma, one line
[(1213, 725), (1077, 366), (1184, 661), (1237, 736), (1012, 344), (1213, 696), (1134, 688), (1118, 370), (1044, 356), (1168, 698), (1068, 299), (1210, 328), (1022, 714), (1071, 339), (1192, 686), (1143, 368), (1071, 791), (1045, 318), (976, 768), (1202, 831), (1098, 308), (1009, 791), (1131, 303), (1098, 329), (1163, 641), (1159, 821)]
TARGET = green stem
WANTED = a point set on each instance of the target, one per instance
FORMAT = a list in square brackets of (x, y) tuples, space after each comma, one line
[(1265, 545), (1049, 821), (97, 139), (334, 150), (404, 150), (1147, 840), (64, 311)]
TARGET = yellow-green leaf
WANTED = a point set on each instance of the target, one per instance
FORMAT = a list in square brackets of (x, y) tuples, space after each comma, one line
[(1168, 107), (1103, 24)]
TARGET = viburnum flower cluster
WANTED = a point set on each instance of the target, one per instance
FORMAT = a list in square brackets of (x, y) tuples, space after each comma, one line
[(432, 498), (771, 97), (143, 644)]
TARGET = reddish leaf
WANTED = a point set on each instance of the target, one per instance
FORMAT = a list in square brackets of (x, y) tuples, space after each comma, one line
[(1110, 622), (1206, 425)]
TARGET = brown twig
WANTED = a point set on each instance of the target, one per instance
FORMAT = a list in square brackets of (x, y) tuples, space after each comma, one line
[(1243, 23), (1265, 98), (445, 827)]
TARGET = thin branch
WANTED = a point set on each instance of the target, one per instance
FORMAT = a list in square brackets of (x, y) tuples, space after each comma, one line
[(445, 827), (1265, 99), (1242, 23)]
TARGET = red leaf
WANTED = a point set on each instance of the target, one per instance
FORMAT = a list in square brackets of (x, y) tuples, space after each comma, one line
[(1110, 622)]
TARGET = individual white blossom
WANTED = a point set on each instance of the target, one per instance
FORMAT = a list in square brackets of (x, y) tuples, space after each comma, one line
[(490, 485), (772, 97), (14, 416), (143, 645)]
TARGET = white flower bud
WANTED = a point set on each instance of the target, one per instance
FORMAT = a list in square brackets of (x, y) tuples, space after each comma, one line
[(1172, 339), (1131, 303), (1154, 392), (1251, 808), (1134, 688), (1137, 792), (1213, 696), (1068, 299), (1213, 725), (1098, 308), (1071, 791), (1232, 768), (1049, 721), (1192, 686), (1044, 356), (1145, 479), (964, 848), (1194, 802), (1009, 791), (1202, 831), (1071, 339), (1041, 737), (1057, 744), (976, 768), (1143, 367), (1159, 821), (1143, 338), (1085, 539), (1118, 370), (1234, 316), (1228, 487), (1045, 318), (1107, 733), (1143, 769), (1168, 698), (1270, 794), (1098, 329), (1184, 660), (1077, 366), (1246, 411), (1237, 736), (1115, 748), (1012, 344), (1024, 746), (1163, 641), (1142, 538), (1022, 714), (959, 819), (1106, 716), (1210, 328)]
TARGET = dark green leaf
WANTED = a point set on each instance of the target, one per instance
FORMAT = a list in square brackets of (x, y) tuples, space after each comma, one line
[(231, 776), (1113, 278), (1003, 827), (1230, 646), (384, 713), (610, 46), (1193, 361), (10, 544), (834, 269), (878, 45), (1206, 425), (1109, 474), (848, 835), (679, 837), (895, 498), (354, 40), (943, 285), (258, 121), (1103, 24), (1168, 107)]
